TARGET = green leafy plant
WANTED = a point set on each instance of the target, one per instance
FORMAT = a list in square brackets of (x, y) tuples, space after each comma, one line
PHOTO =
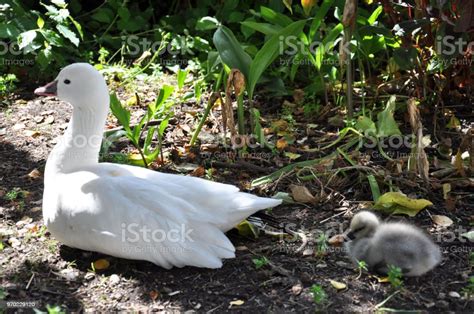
[(15, 194), (47, 37), (7, 84), (319, 295), (260, 262), (395, 276), (159, 111)]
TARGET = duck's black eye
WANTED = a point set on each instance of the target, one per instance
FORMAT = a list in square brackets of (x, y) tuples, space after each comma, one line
[(67, 82)]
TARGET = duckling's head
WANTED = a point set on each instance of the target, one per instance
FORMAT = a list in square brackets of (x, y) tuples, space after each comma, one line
[(81, 85), (363, 225)]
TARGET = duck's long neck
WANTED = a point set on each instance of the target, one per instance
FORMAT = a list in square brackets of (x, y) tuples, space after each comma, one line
[(80, 145)]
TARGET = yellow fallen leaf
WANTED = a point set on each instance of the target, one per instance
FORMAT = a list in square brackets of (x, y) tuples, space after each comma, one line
[(292, 156), (399, 203), (237, 302), (132, 101), (383, 279), (101, 264), (442, 220), (246, 229), (281, 143), (338, 285)]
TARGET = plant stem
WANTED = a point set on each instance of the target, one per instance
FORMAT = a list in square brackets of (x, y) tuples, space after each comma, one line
[(210, 104), (240, 113)]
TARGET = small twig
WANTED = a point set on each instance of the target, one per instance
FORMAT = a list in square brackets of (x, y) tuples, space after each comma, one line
[(29, 281)]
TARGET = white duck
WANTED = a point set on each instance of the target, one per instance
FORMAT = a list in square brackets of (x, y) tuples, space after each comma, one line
[(383, 244), (126, 211)]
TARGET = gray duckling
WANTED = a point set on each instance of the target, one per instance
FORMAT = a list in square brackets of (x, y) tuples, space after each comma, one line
[(383, 244)]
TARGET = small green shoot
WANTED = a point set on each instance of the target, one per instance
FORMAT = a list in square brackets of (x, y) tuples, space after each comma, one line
[(319, 295), (469, 289), (322, 245), (395, 276), (260, 262), (361, 266), (54, 309)]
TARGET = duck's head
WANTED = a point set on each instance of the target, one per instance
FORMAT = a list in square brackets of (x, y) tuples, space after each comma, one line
[(363, 225), (79, 84)]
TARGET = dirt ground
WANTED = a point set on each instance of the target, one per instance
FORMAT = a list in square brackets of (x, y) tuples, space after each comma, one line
[(35, 267)]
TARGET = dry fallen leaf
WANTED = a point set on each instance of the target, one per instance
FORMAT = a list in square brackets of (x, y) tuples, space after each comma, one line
[(296, 289), (301, 194), (101, 264), (281, 144), (31, 133), (49, 120), (198, 172), (338, 285), (34, 174), (154, 295), (236, 302), (442, 220), (336, 240)]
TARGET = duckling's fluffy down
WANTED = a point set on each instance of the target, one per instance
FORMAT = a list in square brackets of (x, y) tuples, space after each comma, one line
[(396, 244)]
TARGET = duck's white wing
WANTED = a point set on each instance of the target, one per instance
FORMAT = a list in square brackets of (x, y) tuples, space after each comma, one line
[(170, 220), (222, 205)]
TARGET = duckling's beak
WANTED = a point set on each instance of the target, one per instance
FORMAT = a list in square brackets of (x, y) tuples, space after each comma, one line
[(49, 89)]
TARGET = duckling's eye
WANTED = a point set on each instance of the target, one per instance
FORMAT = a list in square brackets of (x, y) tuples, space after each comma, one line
[(67, 82)]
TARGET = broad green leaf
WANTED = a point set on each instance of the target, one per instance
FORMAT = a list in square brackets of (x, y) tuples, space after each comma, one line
[(26, 38), (230, 50), (399, 203), (319, 17), (104, 15), (8, 30), (122, 114), (44, 57), (270, 51), (165, 92), (265, 28), (386, 124), (181, 76), (366, 125), (207, 23), (274, 17), (328, 42), (66, 32), (78, 27), (374, 16)]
